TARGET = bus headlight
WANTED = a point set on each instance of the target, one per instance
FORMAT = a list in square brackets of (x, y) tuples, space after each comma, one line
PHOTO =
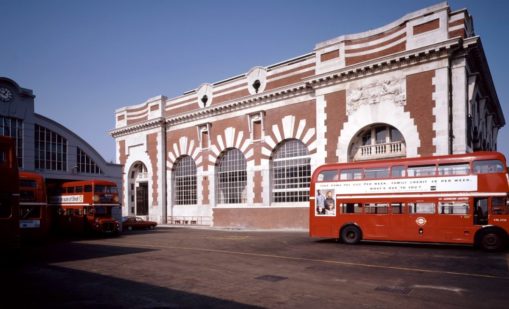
[(115, 199), (96, 198)]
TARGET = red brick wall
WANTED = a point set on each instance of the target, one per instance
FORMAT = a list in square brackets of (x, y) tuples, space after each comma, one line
[(427, 26), (391, 50), (262, 218), (329, 55), (420, 104), (336, 117)]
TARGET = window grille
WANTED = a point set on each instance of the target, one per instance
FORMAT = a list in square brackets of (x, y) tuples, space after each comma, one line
[(291, 172), (50, 150), (231, 178), (184, 181)]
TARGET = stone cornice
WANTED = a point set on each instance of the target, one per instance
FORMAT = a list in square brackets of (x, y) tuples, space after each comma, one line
[(147, 125), (308, 85), (387, 63), (234, 105)]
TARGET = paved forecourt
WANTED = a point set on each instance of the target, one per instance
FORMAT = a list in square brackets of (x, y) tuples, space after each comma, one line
[(183, 267)]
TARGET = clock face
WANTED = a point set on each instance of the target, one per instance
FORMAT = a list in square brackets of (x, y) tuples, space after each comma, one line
[(5, 95)]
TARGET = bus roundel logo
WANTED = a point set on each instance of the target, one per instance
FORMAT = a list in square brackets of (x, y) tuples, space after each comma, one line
[(420, 221)]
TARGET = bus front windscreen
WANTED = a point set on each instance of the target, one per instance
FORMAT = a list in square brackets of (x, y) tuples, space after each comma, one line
[(105, 189)]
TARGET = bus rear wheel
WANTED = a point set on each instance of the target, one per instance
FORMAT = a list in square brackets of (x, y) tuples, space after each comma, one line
[(350, 235), (492, 241)]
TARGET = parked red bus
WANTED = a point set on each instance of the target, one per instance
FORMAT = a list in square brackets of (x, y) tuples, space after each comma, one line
[(34, 217), (86, 206), (446, 199), (9, 195)]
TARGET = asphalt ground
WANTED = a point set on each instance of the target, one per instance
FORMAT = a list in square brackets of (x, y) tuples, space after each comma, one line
[(174, 267)]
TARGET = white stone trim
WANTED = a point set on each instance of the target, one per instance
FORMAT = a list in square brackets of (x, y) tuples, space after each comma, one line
[(321, 129), (377, 41), (457, 27), (441, 111), (291, 74), (459, 104), (374, 50)]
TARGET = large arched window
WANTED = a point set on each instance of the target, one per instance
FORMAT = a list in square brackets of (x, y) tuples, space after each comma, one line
[(184, 181), (231, 177), (291, 172)]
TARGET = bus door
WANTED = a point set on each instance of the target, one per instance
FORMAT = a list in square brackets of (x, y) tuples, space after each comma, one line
[(480, 211), (376, 220), (421, 222), (398, 218), (455, 220)]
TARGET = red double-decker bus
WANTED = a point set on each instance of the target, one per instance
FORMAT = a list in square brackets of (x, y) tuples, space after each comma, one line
[(9, 195), (34, 217), (86, 206), (444, 199)]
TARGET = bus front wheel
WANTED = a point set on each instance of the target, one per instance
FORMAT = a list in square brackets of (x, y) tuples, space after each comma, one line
[(350, 235), (492, 241)]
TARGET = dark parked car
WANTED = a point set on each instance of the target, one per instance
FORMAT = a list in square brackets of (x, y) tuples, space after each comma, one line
[(132, 223)]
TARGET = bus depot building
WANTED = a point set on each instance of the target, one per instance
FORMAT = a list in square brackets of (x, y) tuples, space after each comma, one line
[(239, 153), (45, 146)]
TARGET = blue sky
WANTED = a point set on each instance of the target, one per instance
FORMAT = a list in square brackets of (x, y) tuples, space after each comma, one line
[(85, 59)]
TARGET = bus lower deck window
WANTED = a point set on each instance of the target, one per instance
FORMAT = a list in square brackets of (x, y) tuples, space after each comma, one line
[(421, 208)]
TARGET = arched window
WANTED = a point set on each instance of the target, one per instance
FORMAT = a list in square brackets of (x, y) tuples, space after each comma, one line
[(291, 172), (184, 181), (377, 141), (137, 190), (231, 177)]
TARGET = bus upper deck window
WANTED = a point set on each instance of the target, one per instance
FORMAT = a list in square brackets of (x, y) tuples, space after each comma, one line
[(351, 174), (326, 176), (70, 189), (79, 189), (398, 171), (423, 170), (488, 167), (376, 173), (88, 188), (454, 169)]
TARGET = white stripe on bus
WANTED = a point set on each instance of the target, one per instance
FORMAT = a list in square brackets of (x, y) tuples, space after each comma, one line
[(483, 194)]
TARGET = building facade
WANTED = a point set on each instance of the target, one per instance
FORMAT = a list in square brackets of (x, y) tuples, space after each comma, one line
[(44, 145), (239, 152)]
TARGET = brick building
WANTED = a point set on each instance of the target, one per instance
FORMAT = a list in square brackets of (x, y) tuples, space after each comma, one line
[(239, 152)]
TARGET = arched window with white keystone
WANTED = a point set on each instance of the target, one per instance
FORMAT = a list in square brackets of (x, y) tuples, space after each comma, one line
[(184, 181), (231, 177), (291, 172)]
